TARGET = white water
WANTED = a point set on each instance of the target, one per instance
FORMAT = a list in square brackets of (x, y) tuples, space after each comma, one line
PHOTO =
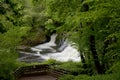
[(68, 52), (47, 45)]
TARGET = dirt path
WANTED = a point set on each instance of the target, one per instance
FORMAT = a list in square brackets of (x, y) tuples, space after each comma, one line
[(41, 77)]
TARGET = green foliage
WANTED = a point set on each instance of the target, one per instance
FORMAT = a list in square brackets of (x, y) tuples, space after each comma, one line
[(85, 77), (30, 20), (52, 62), (82, 18), (49, 25), (115, 68), (98, 77), (12, 40), (74, 67), (19, 19), (8, 43), (67, 77), (8, 63)]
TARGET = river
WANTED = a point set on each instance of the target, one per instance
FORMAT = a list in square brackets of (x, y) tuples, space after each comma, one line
[(50, 50)]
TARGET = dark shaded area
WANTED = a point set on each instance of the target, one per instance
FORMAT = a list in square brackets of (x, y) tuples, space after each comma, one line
[(2, 30), (94, 54), (2, 9), (85, 8)]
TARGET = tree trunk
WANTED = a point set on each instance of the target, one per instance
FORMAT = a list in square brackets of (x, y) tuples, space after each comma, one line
[(104, 62), (94, 54), (82, 58)]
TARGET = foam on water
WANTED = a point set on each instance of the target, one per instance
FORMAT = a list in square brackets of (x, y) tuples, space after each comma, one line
[(68, 52), (48, 44)]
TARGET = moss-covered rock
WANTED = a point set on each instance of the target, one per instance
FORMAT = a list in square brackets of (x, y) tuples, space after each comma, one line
[(36, 36)]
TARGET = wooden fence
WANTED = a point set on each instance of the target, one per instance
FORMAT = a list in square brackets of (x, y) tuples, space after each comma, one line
[(39, 70)]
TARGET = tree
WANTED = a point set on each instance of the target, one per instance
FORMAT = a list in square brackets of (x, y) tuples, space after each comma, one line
[(93, 21)]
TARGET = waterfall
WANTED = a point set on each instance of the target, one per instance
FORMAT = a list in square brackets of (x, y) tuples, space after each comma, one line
[(48, 44), (63, 46), (68, 54), (49, 50)]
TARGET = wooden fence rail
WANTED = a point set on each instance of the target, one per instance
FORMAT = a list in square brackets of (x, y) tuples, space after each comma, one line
[(39, 69)]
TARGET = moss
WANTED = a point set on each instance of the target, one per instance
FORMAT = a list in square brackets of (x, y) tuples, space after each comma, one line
[(34, 37)]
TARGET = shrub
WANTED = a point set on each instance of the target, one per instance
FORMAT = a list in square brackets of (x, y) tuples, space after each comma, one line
[(67, 77), (74, 67), (52, 62)]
